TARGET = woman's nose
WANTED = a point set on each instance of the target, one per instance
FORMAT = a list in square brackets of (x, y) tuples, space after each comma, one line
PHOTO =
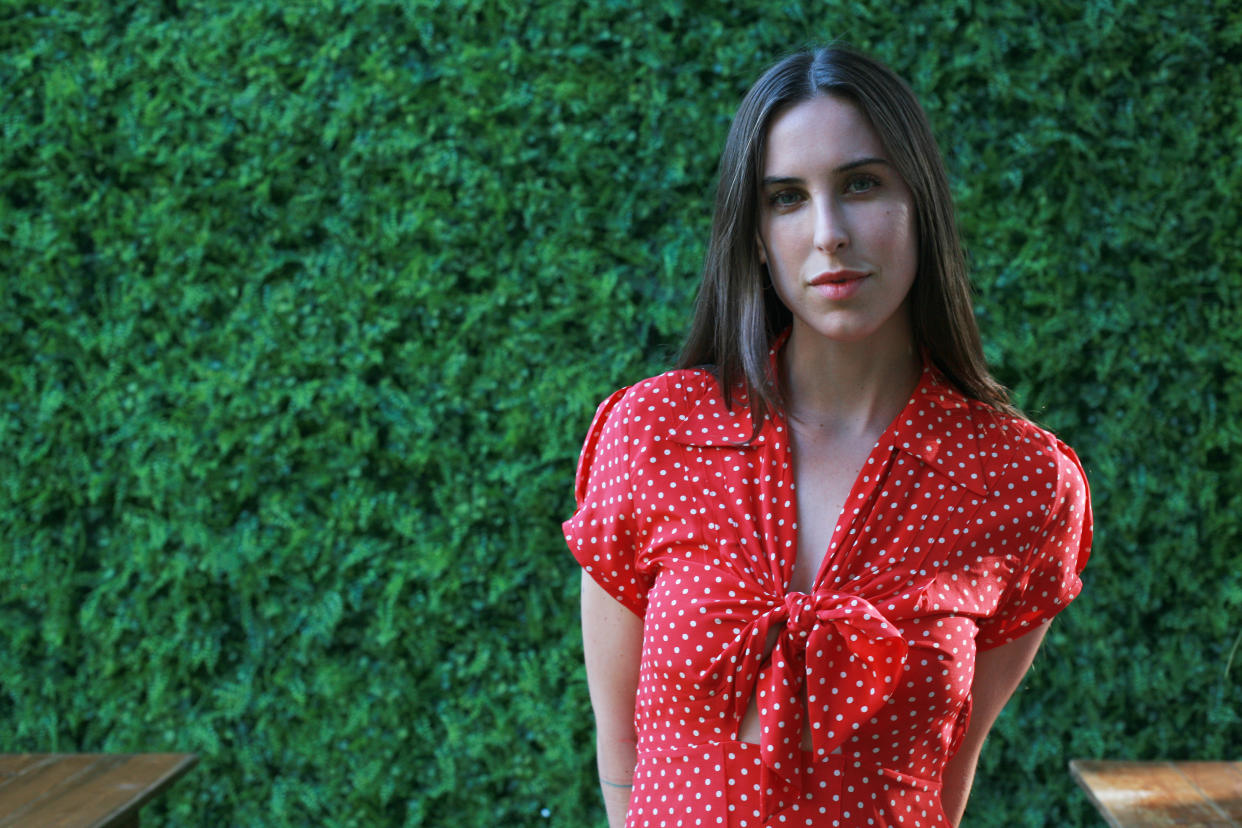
[(830, 229)]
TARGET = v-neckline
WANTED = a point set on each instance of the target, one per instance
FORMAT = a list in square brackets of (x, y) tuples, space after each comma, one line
[(875, 459)]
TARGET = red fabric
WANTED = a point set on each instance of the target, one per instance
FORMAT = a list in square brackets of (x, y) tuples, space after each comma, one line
[(964, 530)]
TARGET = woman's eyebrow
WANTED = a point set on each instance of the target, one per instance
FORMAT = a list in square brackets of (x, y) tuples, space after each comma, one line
[(780, 181), (861, 162)]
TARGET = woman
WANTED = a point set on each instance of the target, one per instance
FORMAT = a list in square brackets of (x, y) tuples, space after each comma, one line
[(819, 557)]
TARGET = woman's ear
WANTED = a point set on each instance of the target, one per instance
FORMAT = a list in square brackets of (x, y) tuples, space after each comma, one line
[(763, 251)]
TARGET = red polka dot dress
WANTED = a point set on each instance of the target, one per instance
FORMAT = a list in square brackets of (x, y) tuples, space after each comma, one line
[(964, 530)]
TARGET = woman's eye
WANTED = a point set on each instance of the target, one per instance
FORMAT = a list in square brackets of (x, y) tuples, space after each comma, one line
[(785, 198), (861, 184)]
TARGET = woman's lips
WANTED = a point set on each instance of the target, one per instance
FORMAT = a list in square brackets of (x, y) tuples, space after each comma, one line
[(838, 284)]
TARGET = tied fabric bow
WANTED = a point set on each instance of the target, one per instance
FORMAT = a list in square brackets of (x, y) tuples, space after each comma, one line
[(845, 654), (840, 649)]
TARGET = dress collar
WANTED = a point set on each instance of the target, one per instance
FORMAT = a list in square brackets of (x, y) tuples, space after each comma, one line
[(941, 427), (938, 425)]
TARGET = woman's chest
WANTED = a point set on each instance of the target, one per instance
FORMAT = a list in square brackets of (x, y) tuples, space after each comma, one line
[(916, 546), (824, 475), (749, 514)]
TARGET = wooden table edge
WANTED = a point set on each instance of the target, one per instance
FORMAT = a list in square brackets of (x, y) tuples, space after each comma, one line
[(172, 766), (1078, 766), (185, 761), (1075, 769)]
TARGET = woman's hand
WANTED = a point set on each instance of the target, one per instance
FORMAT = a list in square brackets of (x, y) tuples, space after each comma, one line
[(612, 641)]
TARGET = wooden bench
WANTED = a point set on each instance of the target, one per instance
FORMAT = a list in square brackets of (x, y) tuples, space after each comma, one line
[(1148, 794), (83, 790)]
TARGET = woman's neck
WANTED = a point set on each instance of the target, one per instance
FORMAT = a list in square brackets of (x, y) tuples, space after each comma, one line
[(847, 388)]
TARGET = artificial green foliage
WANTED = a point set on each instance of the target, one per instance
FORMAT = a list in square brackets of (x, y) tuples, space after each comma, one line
[(306, 306)]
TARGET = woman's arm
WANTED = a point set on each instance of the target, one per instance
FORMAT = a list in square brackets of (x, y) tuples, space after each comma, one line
[(612, 641), (998, 672)]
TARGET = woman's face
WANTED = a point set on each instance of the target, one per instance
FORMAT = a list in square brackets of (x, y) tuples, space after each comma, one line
[(836, 224)]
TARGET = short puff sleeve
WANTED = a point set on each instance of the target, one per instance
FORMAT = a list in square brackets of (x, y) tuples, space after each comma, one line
[(602, 534), (1047, 579)]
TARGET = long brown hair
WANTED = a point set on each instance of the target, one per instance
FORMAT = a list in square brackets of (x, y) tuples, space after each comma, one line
[(737, 313)]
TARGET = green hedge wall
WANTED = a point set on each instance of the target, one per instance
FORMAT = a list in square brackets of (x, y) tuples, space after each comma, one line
[(306, 307)]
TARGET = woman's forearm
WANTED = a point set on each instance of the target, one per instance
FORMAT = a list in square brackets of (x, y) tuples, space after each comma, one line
[(959, 774), (616, 797), (612, 638), (616, 762)]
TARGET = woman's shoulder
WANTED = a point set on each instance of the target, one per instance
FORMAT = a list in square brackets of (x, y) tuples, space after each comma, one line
[(630, 421), (1019, 454), (685, 405), (995, 435), (673, 393)]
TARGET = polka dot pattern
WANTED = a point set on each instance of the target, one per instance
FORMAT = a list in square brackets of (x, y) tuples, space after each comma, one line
[(964, 530)]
